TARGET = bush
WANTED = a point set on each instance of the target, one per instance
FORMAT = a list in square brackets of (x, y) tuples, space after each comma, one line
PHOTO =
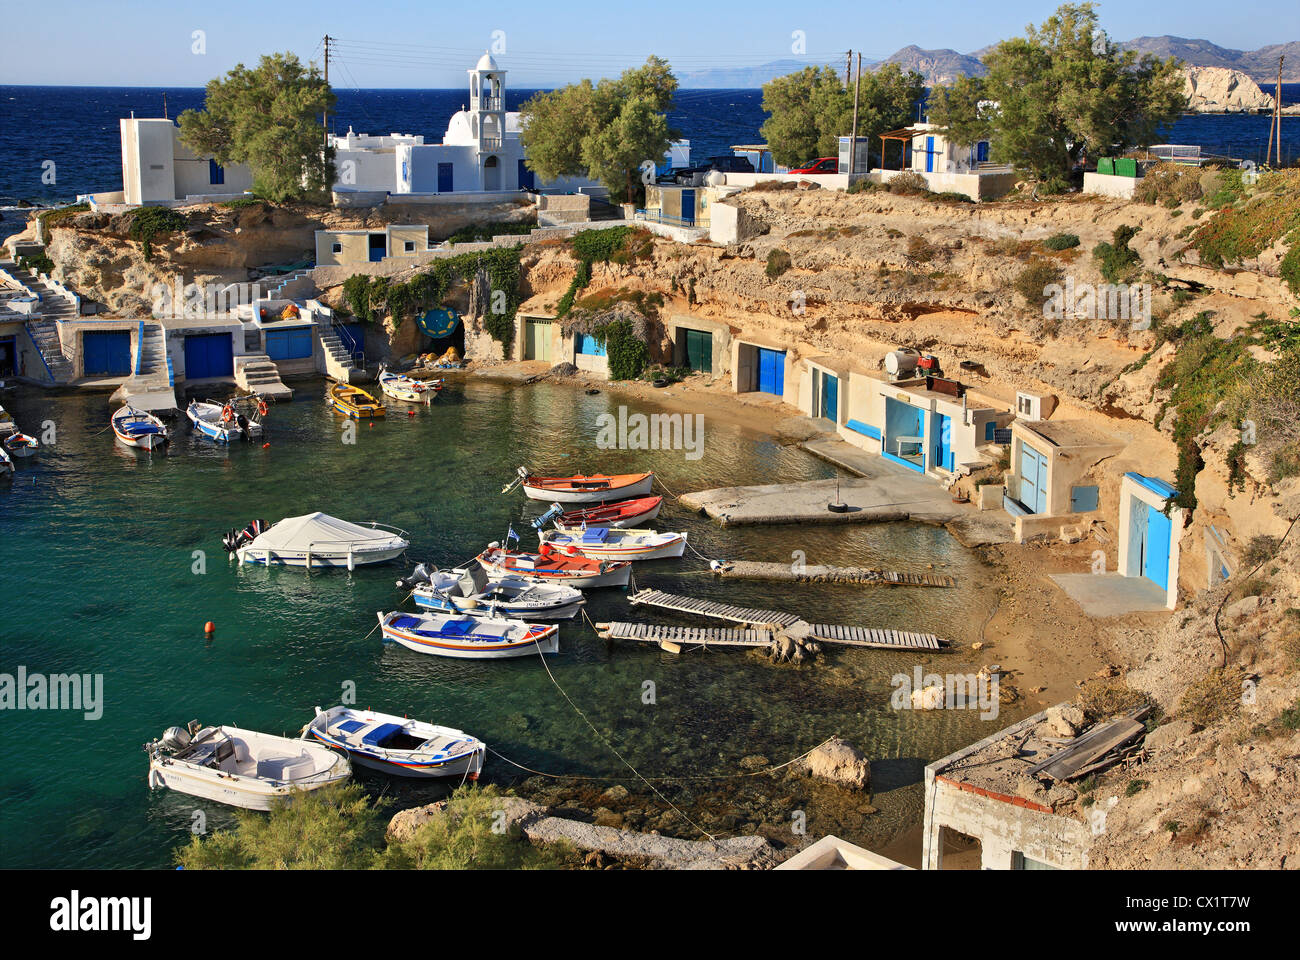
[(1216, 695), (778, 262), (952, 196), (1061, 241), (151, 222), (1117, 261), (627, 354), (909, 183), (1169, 184), (920, 250), (1032, 282)]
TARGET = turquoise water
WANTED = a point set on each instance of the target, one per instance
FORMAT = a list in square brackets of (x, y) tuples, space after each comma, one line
[(97, 562)]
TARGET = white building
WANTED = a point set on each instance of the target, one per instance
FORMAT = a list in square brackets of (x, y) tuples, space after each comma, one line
[(945, 165), (158, 169)]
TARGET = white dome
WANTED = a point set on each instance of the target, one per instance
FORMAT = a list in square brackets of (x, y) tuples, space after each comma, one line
[(486, 62)]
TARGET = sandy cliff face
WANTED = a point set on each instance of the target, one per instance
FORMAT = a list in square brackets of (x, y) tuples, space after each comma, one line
[(1221, 90)]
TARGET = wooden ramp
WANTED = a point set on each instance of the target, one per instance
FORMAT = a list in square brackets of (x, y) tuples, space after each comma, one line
[(862, 576), (704, 636), (825, 632)]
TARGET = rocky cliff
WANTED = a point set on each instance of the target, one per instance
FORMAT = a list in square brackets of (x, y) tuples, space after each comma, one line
[(1222, 90)]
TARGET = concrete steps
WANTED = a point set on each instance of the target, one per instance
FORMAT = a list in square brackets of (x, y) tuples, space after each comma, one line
[(257, 373), (151, 387), (338, 359)]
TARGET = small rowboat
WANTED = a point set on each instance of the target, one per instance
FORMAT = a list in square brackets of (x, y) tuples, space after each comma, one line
[(398, 745), (138, 428), (468, 638), (408, 389), (612, 543), (468, 591), (625, 513), (241, 767), (353, 402), (223, 422), (595, 488), (549, 565), (21, 445)]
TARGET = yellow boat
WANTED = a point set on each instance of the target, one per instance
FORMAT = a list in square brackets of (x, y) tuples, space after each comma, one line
[(354, 402)]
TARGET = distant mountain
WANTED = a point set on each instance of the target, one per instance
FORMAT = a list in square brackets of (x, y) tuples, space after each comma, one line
[(943, 66), (937, 66)]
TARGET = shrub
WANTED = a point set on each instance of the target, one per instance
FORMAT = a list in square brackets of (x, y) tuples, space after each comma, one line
[(1117, 261), (1105, 698), (151, 222), (909, 183), (1061, 241), (1214, 696), (952, 196), (1032, 282), (1169, 183), (241, 202), (628, 355), (778, 262), (37, 264), (920, 250)]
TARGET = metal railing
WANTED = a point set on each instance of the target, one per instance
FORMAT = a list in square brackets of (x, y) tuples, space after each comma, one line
[(658, 216)]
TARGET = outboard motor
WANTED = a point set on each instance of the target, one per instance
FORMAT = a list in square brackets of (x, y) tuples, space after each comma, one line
[(175, 739), (554, 511), (243, 427), (418, 576), (235, 539)]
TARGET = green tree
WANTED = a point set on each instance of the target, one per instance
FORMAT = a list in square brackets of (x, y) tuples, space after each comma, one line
[(605, 131), (810, 110), (1060, 91), (268, 118)]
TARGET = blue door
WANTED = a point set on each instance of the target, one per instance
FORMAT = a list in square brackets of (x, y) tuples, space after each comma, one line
[(209, 355), (830, 397), (771, 371), (444, 177), (943, 455), (929, 154), (295, 344), (526, 179), (688, 207), (1155, 545), (1033, 479), (378, 247), (982, 152), (106, 354), (590, 346)]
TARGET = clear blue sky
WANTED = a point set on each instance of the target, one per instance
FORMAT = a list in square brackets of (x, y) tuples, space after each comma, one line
[(431, 44)]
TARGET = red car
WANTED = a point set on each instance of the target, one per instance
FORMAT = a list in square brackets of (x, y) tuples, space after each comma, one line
[(821, 165)]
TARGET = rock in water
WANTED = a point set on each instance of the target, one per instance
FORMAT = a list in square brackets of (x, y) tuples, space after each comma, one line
[(838, 761), (1221, 90)]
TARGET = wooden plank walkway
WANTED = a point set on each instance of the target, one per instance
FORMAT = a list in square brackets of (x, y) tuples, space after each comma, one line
[(826, 632), (862, 576), (706, 636)]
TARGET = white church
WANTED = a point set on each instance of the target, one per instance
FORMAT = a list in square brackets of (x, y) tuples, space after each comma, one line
[(480, 153)]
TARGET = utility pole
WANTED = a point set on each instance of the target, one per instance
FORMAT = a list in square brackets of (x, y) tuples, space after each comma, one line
[(853, 142), (848, 70), (325, 120), (1277, 111), (165, 117)]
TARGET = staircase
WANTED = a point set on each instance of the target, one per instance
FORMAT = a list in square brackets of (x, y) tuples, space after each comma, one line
[(151, 385), (338, 359), (293, 286), (257, 373), (44, 328)]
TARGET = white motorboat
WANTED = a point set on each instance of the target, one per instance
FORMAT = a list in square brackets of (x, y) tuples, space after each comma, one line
[(470, 591), (316, 540), (139, 428), (241, 767), (468, 638), (408, 389), (615, 543), (225, 422), (398, 745)]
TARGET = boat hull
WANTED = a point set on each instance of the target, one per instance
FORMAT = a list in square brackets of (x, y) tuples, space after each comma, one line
[(299, 558), (439, 603), (355, 403), (607, 515), (546, 640), (20, 451), (674, 548), (148, 441), (561, 494), (617, 577), (467, 765), (211, 426)]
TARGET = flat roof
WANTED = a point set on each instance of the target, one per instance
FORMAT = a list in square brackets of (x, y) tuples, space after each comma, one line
[(1067, 433)]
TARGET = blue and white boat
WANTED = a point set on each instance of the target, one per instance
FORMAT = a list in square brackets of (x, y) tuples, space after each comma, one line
[(468, 638), (139, 428), (398, 745), (223, 422), (469, 591)]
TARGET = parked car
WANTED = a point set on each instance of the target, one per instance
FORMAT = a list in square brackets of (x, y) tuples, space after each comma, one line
[(730, 163), (820, 165), (672, 175)]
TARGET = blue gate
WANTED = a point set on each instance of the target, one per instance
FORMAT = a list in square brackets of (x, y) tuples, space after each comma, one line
[(294, 344), (943, 455), (688, 207), (929, 154), (1033, 479), (1155, 545), (106, 354), (830, 397), (771, 371), (445, 177), (353, 336), (209, 355), (378, 247)]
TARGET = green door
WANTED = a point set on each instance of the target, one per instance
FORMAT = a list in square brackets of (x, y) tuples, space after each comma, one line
[(538, 341), (699, 350)]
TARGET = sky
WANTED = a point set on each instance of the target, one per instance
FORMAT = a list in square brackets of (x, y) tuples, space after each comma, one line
[(432, 44)]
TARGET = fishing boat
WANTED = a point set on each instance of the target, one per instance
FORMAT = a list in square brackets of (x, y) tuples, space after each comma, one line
[(613, 543), (468, 638), (595, 488), (353, 402), (7, 424), (138, 428), (6, 464), (624, 513), (20, 445), (240, 767), (316, 540), (408, 389), (226, 422), (470, 591), (549, 565), (398, 745)]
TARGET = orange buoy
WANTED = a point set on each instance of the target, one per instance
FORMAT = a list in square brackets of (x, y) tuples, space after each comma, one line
[(265, 445), (410, 413), (209, 628)]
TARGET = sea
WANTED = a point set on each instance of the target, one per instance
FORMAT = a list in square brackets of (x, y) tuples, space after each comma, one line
[(112, 564), (58, 142)]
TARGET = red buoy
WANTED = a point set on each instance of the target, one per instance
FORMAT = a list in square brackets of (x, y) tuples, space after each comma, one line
[(265, 445), (209, 628)]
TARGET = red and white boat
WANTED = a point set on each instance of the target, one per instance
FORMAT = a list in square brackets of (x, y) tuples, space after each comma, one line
[(596, 488), (550, 565), (625, 513), (614, 544)]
